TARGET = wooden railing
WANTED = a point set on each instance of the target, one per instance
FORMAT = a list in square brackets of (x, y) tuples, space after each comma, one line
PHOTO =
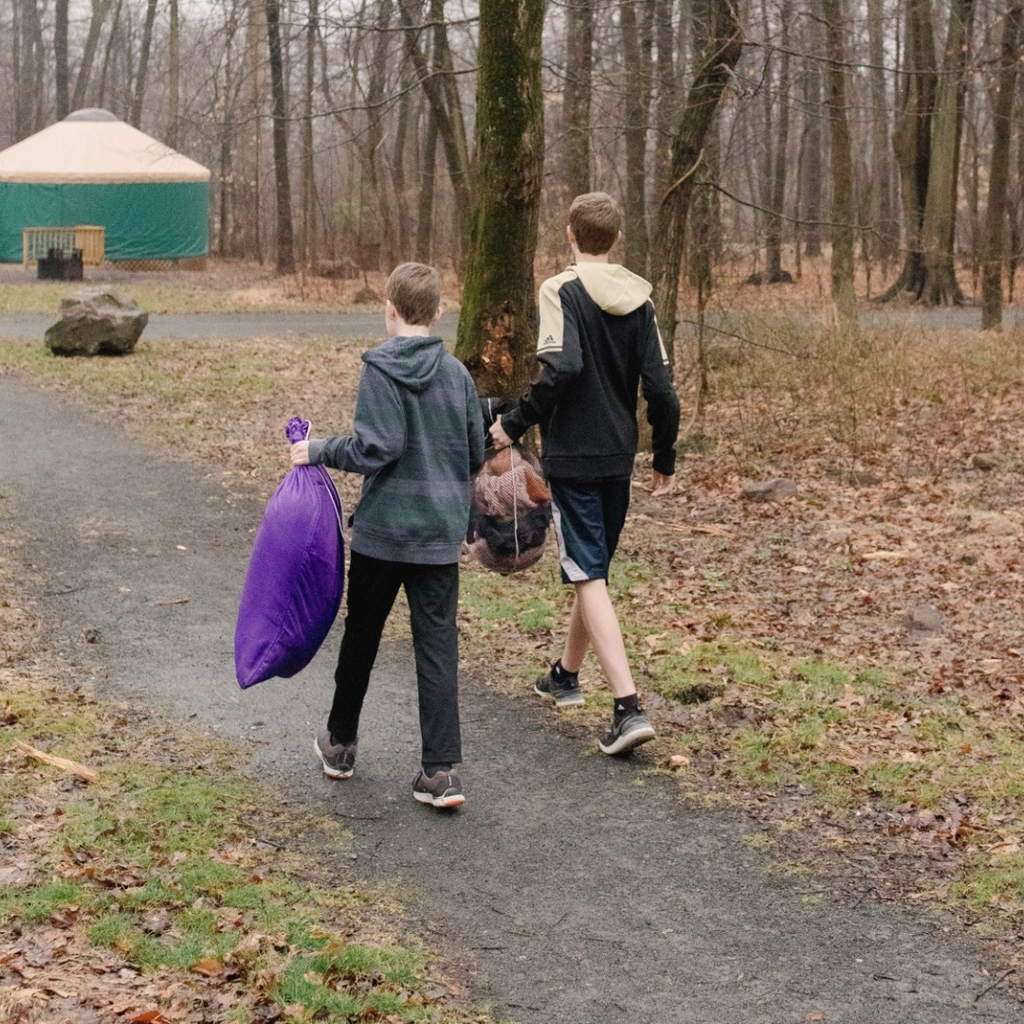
[(38, 242)]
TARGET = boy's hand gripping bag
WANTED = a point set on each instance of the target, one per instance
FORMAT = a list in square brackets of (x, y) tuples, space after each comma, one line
[(296, 576), (511, 505)]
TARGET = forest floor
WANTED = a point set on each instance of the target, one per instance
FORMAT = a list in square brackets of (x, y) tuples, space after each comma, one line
[(845, 661)]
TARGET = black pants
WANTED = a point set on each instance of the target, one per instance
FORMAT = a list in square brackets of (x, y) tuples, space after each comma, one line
[(433, 595)]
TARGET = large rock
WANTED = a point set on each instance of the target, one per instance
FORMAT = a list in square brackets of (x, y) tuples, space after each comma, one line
[(96, 321)]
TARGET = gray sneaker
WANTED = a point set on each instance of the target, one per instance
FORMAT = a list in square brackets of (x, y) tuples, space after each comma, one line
[(442, 789), (626, 733), (338, 759), (564, 691)]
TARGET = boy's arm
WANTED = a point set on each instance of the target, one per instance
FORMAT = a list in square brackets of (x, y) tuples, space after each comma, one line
[(378, 433), (474, 426), (660, 395), (560, 356)]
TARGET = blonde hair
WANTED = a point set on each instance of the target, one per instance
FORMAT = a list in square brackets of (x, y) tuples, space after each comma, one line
[(414, 289), (596, 220)]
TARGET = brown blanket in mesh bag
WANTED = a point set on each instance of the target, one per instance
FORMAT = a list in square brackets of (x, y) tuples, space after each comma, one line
[(510, 512)]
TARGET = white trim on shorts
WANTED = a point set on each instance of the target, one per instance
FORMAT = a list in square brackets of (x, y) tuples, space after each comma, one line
[(569, 567)]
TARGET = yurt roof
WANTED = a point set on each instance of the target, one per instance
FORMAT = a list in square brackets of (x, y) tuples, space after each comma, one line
[(94, 147)]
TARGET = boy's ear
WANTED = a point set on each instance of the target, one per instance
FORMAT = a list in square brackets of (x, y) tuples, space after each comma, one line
[(437, 316), (570, 235)]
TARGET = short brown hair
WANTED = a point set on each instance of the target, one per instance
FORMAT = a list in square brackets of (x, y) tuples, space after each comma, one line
[(415, 291), (596, 220)]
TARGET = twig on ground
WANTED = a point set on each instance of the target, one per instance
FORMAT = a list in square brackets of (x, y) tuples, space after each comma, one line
[(995, 984), (57, 762)]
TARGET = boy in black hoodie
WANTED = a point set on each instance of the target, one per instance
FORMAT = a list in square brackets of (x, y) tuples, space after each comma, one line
[(417, 439), (598, 341)]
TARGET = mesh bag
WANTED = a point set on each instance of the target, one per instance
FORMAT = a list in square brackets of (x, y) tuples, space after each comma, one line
[(511, 509)]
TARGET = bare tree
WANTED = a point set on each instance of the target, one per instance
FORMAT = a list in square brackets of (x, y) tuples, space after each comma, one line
[(285, 233), (710, 81), (145, 47), (636, 64), (579, 64), (1002, 121), (843, 295)]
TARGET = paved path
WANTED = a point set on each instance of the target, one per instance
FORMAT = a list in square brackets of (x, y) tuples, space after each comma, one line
[(586, 894), (301, 323)]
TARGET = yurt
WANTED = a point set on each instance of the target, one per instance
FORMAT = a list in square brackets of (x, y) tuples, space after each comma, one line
[(92, 169)]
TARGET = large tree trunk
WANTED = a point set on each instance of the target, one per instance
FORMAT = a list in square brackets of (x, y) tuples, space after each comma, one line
[(375, 206), (773, 240), (498, 323), (912, 141), (937, 236), (636, 60), (579, 63), (842, 166), (665, 107), (135, 118), (709, 83), (285, 233), (999, 173)]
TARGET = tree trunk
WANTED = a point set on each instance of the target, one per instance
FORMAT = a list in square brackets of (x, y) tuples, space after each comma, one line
[(135, 118), (378, 203), (309, 253), (425, 210), (636, 64), (174, 75), (665, 108), (842, 166), (579, 62), (773, 242), (713, 74), (813, 176), (1002, 124), (940, 285), (92, 39), (111, 44), (882, 231), (498, 323), (60, 58), (279, 112), (443, 97)]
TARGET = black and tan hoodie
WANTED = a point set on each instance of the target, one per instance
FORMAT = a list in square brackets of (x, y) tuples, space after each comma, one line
[(598, 342)]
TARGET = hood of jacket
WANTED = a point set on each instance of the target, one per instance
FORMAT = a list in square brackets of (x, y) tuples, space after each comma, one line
[(614, 288), (411, 362)]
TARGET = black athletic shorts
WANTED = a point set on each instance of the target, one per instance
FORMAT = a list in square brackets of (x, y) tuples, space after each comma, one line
[(589, 516)]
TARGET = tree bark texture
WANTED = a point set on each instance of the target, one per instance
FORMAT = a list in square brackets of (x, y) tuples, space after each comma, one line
[(773, 242), (135, 118), (999, 172), (940, 285), (279, 112), (912, 140), (174, 75), (60, 58), (710, 81), (843, 232), (498, 324), (636, 60), (579, 62)]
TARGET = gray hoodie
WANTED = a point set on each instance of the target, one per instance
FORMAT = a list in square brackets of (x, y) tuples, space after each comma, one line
[(417, 440)]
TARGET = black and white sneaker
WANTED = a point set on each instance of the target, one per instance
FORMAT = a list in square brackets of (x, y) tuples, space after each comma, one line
[(627, 732), (563, 689), (442, 789), (338, 759)]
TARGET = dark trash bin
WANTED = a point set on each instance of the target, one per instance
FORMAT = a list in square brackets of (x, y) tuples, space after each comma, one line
[(60, 265)]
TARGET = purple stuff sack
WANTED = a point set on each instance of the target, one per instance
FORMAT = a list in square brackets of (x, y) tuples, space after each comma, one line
[(296, 576)]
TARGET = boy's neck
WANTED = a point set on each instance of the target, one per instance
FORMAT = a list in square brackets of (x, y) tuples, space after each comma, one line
[(401, 329), (589, 257)]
